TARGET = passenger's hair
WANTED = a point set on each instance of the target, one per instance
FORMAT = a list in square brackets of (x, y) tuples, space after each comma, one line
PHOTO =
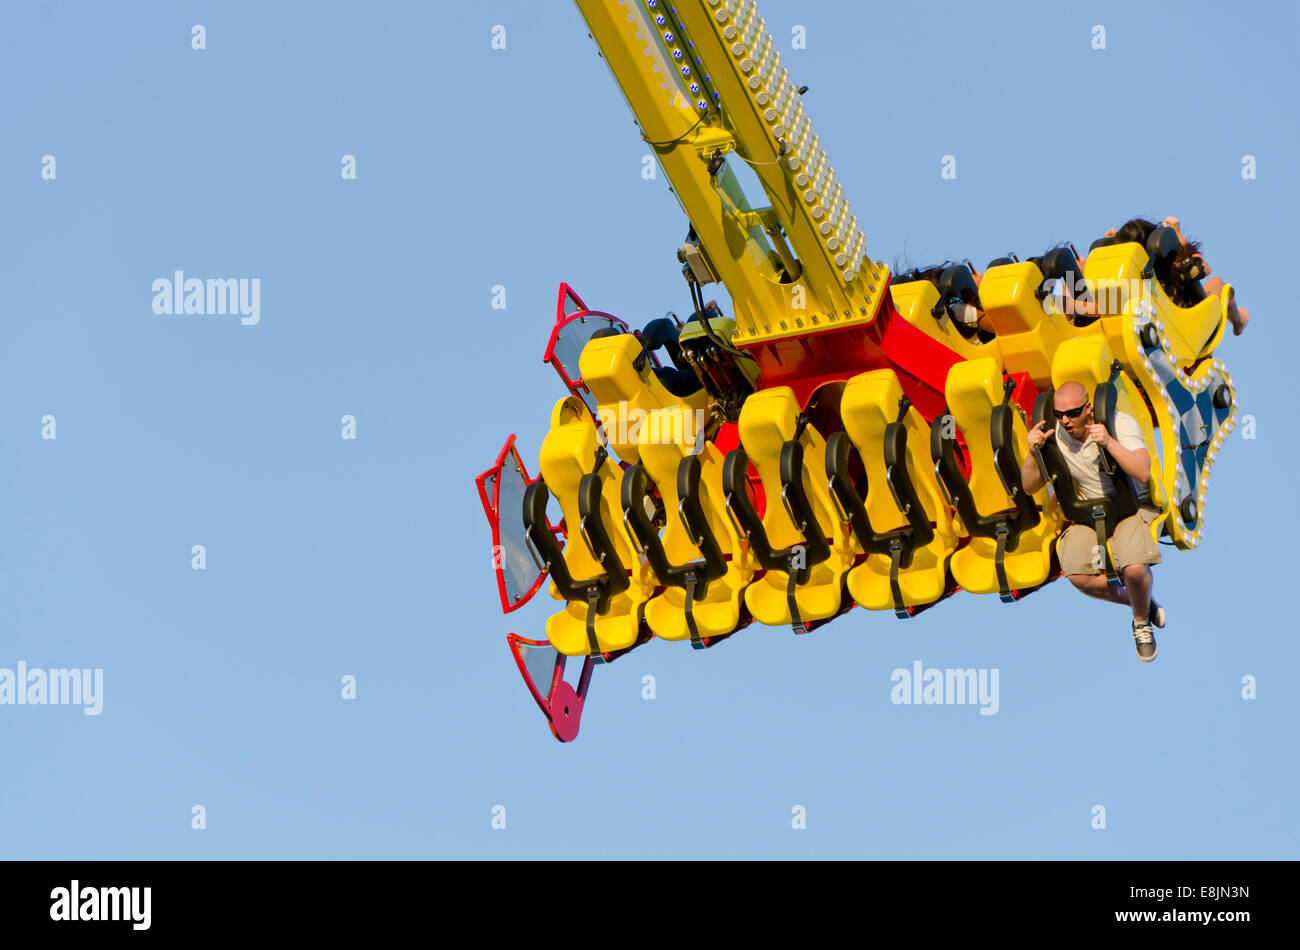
[(902, 272), (1062, 244), (1135, 229), (932, 274), (1186, 271)]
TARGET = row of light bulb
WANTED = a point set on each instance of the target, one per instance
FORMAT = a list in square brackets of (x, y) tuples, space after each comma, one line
[(1214, 371), (782, 109)]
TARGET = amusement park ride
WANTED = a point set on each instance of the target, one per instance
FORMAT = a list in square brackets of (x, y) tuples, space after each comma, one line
[(861, 441)]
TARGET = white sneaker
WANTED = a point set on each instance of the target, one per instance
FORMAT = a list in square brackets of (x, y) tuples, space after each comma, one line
[(1146, 641)]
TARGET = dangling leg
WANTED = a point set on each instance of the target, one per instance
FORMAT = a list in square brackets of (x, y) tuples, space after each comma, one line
[(1237, 316), (1139, 582), (1094, 585)]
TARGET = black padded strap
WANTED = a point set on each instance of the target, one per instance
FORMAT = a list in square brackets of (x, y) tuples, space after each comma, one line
[(1004, 589), (791, 585), (1099, 522), (594, 533), (696, 640), (943, 451), (635, 492), (537, 530), (800, 423), (895, 556), (593, 597), (741, 510)]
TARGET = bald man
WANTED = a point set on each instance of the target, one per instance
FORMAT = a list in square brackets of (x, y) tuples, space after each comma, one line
[(1080, 438)]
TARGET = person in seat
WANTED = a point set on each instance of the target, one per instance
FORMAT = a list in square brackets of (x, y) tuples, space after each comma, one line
[(968, 319), (1080, 438), (1083, 311), (1068, 290), (1134, 230), (679, 379), (1190, 267)]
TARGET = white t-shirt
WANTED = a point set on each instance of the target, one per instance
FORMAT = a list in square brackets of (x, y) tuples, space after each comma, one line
[(1084, 459)]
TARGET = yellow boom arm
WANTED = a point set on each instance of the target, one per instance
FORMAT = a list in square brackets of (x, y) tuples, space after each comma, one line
[(705, 81)]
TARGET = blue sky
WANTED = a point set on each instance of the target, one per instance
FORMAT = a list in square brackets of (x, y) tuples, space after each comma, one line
[(371, 558)]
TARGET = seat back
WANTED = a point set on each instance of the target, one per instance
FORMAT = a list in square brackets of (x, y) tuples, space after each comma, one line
[(902, 522), (627, 390), (797, 539), (957, 283), (598, 568), (992, 499), (1026, 334), (901, 492), (916, 302), (1161, 247), (689, 548)]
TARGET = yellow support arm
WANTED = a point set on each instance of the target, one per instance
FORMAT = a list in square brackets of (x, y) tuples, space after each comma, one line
[(704, 80)]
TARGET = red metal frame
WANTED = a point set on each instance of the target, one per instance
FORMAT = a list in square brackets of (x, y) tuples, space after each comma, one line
[(549, 356), (565, 315), (491, 508), (806, 363), (565, 295), (562, 704)]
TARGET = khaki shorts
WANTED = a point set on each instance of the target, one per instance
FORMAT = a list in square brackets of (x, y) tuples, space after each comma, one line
[(1131, 543)]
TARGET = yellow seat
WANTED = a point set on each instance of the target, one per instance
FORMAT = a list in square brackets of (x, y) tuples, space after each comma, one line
[(915, 300), (1090, 363), (1027, 335), (1167, 351), (568, 453), (718, 612), (768, 421), (870, 403), (626, 396), (974, 389)]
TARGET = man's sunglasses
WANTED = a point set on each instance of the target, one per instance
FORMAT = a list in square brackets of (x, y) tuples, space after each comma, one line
[(1069, 413)]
